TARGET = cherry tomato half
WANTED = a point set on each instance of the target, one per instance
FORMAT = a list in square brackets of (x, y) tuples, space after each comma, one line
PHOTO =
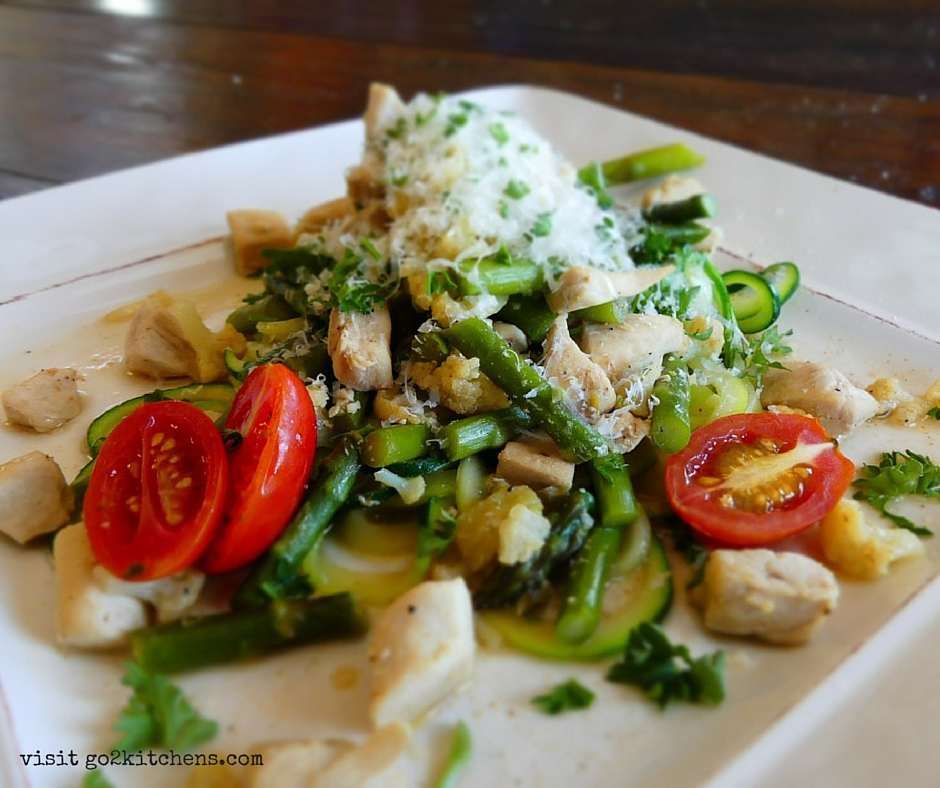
[(268, 468), (157, 492), (755, 478)]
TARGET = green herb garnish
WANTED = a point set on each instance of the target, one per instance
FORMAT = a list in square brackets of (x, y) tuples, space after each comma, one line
[(158, 715), (570, 696), (666, 672), (898, 474), (516, 190)]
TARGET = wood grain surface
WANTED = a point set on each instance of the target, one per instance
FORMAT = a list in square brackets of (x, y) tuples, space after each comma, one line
[(851, 89)]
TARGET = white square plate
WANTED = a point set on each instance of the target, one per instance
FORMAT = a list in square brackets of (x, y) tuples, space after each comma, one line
[(854, 707)]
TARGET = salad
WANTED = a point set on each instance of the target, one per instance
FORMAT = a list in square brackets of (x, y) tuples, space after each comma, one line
[(479, 388)]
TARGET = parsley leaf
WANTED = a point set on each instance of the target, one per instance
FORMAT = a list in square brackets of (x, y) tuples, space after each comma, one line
[(570, 696), (499, 133), (542, 226), (666, 672), (934, 413), (158, 715), (516, 190), (898, 474)]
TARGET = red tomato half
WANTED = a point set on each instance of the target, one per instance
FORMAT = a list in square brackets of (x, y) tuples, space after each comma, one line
[(157, 491), (755, 478), (268, 469)]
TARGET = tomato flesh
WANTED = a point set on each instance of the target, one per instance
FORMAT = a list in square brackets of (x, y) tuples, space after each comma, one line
[(157, 492), (755, 478), (268, 468)]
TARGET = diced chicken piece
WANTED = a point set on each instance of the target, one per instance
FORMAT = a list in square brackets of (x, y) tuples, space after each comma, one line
[(367, 762), (422, 650), (777, 597), (821, 391), (570, 368), (522, 535), (359, 345), (315, 219), (861, 549), (640, 340), (87, 616), (583, 286), (673, 188), (383, 107), (254, 231), (292, 764), (512, 335), (169, 341), (623, 428), (170, 596), (535, 463), (45, 401), (365, 181), (35, 499), (330, 763)]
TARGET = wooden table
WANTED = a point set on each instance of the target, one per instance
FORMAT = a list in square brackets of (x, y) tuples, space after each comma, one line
[(846, 87)]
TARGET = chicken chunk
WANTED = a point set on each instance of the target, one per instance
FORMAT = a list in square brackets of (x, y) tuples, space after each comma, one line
[(359, 344), (861, 549), (422, 650), (821, 391), (35, 499), (777, 597), (330, 763), (582, 286), (640, 340), (45, 401), (572, 370), (535, 463), (252, 232), (86, 615), (170, 340), (171, 597)]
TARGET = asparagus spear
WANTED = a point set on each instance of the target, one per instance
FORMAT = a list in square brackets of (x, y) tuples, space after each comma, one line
[(547, 405), (509, 584), (590, 570), (228, 637), (277, 572), (644, 164), (698, 206), (398, 443), (266, 308), (669, 421), (502, 277), (473, 434), (530, 313)]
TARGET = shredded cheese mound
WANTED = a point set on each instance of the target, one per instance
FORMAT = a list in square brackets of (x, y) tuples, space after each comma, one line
[(463, 182)]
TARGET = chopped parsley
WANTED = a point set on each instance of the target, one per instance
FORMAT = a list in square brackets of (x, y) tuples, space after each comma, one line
[(570, 696), (397, 131), (158, 715), (353, 289), (499, 133), (516, 190), (758, 351), (934, 413), (898, 474), (666, 672), (542, 226)]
